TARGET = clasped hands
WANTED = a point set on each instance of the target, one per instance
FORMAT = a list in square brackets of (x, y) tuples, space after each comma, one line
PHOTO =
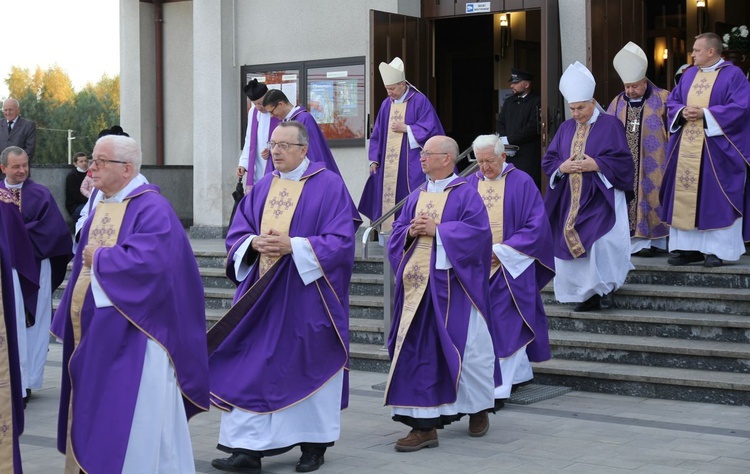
[(692, 113), (571, 165), (422, 225), (273, 244)]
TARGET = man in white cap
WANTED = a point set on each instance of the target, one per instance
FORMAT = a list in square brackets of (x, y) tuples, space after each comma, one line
[(405, 121), (704, 194), (590, 170), (642, 110), (260, 125)]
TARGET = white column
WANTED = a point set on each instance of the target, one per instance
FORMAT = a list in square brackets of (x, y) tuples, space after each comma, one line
[(215, 121)]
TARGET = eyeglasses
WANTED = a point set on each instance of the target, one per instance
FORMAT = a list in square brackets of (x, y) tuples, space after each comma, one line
[(101, 162), (283, 145), (430, 153), (274, 108)]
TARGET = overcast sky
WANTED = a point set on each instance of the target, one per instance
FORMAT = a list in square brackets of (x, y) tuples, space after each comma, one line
[(81, 36)]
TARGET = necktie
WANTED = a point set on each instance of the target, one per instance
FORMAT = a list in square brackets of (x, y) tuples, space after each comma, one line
[(10, 127)]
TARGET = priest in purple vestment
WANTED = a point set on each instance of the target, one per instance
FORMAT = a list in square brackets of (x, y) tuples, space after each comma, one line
[(276, 103), (705, 195), (132, 321), (522, 264), (590, 171), (49, 234), (405, 121), (11, 391), (279, 358), (260, 125), (442, 357), (642, 109)]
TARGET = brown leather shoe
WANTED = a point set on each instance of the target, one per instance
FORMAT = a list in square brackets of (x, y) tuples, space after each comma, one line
[(417, 440), (479, 424)]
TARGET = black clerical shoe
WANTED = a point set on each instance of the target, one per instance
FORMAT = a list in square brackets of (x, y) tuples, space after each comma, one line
[(607, 301), (309, 462), (685, 257), (590, 304), (518, 385), (238, 462), (712, 261), (646, 253)]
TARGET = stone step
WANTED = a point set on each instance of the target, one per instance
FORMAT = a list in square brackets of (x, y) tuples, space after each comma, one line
[(366, 284), (651, 351), (652, 382), (366, 331), (214, 277), (670, 324), (368, 357), (656, 271), (365, 307), (671, 298)]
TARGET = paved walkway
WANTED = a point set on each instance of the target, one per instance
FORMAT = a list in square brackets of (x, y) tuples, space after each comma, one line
[(574, 433)]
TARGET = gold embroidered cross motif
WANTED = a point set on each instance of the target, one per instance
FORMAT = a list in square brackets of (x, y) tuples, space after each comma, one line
[(693, 133), (431, 211), (415, 277), (701, 87), (392, 155), (397, 116), (687, 179), (389, 193), (490, 198), (102, 232), (281, 203)]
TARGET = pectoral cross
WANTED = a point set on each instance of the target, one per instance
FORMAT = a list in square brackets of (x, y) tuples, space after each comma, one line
[(634, 124)]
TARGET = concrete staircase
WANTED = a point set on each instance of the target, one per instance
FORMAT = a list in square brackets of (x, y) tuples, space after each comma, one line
[(675, 332)]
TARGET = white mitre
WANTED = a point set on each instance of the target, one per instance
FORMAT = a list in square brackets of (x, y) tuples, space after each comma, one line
[(393, 72), (577, 84), (631, 63)]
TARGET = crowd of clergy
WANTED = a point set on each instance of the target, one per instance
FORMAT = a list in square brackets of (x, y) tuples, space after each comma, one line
[(656, 171)]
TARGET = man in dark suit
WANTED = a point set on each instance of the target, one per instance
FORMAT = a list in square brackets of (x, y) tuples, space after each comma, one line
[(16, 130), (519, 121)]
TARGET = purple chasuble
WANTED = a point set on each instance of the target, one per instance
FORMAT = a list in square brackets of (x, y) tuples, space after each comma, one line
[(253, 148), (10, 220), (429, 366), (295, 337), (607, 145), (152, 279), (317, 149), (652, 136), (425, 124), (21, 251), (47, 230), (517, 316), (723, 194)]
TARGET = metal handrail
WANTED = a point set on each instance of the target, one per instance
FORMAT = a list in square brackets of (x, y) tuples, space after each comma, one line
[(379, 222)]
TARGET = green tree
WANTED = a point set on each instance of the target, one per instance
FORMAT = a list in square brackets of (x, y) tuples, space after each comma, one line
[(49, 99)]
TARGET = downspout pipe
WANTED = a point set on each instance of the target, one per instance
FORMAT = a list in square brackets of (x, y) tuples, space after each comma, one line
[(159, 72)]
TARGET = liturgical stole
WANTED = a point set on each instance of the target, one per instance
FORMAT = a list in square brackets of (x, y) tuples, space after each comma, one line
[(281, 203), (416, 273), (390, 163), (689, 159), (493, 195), (104, 231), (577, 147)]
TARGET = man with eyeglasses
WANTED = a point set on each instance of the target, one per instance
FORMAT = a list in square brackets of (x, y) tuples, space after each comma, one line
[(405, 121), (277, 104), (49, 234), (260, 125), (278, 359), (96, 196), (442, 358), (16, 130), (522, 263), (132, 322)]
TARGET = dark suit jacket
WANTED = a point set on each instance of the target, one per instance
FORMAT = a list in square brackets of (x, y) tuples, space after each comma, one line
[(23, 135)]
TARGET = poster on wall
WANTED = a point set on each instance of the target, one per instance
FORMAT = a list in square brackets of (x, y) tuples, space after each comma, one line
[(336, 98), (333, 91)]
